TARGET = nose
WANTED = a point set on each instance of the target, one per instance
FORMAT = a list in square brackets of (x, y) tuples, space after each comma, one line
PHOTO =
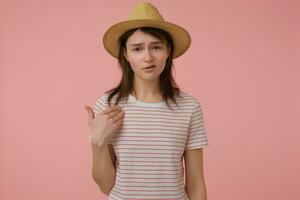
[(148, 56)]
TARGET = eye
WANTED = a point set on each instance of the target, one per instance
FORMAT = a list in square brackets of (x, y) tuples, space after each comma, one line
[(136, 49), (157, 47)]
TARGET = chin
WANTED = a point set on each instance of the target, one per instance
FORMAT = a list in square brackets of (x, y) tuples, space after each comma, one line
[(150, 77)]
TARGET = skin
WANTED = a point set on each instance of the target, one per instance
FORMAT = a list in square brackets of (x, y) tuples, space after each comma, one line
[(150, 51), (146, 88), (194, 174)]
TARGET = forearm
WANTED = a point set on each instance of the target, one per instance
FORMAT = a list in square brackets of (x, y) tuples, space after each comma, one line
[(197, 193), (103, 170)]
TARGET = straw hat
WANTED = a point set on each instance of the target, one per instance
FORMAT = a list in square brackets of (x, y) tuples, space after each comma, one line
[(146, 15)]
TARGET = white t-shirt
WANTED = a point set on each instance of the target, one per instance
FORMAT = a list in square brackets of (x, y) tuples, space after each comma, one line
[(149, 146)]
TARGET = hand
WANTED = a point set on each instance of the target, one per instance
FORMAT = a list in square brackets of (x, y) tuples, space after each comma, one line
[(105, 124)]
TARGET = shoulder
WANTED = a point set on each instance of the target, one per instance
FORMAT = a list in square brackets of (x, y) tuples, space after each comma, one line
[(191, 102), (189, 97), (101, 102), (101, 99)]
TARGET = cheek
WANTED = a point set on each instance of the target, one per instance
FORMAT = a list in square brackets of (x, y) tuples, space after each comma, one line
[(134, 63), (162, 57), (163, 60), (133, 58)]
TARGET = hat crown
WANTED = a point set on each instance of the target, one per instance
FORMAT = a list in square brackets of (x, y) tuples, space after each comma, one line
[(144, 11)]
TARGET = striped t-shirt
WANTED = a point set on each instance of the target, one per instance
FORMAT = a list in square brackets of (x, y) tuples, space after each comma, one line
[(149, 146)]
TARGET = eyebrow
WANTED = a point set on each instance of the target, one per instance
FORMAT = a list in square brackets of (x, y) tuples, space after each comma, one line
[(138, 44)]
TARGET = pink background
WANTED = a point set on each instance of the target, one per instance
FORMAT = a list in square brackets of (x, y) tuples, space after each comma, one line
[(243, 66)]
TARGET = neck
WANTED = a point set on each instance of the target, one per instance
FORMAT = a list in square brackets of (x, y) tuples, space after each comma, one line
[(147, 90)]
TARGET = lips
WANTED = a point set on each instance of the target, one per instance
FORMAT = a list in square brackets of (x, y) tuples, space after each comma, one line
[(149, 67)]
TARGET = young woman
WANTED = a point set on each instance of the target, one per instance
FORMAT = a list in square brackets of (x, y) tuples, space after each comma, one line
[(141, 130)]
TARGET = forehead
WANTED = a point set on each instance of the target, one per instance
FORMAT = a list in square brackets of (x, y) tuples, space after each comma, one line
[(139, 38)]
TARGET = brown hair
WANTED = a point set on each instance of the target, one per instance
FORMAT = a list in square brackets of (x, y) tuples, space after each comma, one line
[(168, 86)]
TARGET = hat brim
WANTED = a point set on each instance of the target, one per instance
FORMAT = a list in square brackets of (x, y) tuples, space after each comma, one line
[(180, 36)]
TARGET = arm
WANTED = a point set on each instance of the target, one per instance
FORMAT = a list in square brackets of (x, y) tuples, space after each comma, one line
[(195, 183), (103, 168), (103, 163)]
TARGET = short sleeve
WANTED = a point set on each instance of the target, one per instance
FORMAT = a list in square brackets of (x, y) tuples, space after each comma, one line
[(197, 137), (100, 105)]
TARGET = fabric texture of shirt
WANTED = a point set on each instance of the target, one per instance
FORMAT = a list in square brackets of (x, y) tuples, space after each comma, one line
[(149, 146)]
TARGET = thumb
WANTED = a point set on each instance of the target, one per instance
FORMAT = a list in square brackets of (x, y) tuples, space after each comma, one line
[(90, 112)]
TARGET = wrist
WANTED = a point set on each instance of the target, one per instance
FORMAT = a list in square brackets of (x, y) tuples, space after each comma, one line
[(96, 140)]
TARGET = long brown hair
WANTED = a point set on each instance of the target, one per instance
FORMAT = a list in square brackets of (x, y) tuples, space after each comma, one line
[(168, 86)]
